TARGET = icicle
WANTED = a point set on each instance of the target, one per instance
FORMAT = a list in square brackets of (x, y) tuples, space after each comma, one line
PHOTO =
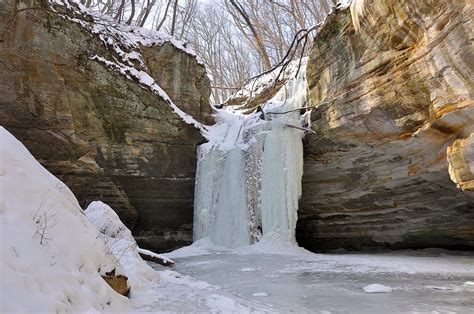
[(231, 227), (208, 181)]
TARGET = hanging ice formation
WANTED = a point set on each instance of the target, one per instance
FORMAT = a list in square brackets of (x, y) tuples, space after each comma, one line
[(249, 173)]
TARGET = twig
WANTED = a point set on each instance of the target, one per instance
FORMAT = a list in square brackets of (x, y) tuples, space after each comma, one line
[(225, 87), (300, 128)]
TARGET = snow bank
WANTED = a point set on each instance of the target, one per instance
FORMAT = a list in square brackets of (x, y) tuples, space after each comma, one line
[(199, 247), (122, 245), (52, 256), (167, 262)]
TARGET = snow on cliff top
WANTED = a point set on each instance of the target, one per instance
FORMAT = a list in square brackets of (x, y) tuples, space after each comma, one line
[(125, 41), (118, 35), (255, 86), (52, 257)]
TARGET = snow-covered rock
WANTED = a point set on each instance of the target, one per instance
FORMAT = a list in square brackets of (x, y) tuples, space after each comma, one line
[(52, 256), (125, 42), (377, 288)]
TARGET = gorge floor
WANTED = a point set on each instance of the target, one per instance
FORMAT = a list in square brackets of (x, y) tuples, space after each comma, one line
[(422, 281)]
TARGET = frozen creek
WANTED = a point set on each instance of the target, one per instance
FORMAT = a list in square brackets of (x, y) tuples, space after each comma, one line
[(421, 282)]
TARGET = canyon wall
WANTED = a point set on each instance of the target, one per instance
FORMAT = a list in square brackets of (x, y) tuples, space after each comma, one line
[(105, 135), (392, 163)]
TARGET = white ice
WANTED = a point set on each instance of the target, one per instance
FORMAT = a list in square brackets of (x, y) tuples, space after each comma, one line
[(248, 178)]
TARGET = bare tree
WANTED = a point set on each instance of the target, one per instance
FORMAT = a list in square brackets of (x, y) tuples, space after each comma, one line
[(240, 12), (173, 19), (132, 12), (236, 39)]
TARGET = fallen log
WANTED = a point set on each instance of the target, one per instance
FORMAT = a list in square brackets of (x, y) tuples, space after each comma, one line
[(155, 258)]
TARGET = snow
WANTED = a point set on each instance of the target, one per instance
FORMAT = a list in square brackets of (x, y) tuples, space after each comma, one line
[(376, 288), (256, 86), (119, 35), (247, 269), (274, 242), (60, 271), (226, 304), (125, 41), (184, 294), (260, 294), (153, 254), (146, 80), (200, 247), (121, 244)]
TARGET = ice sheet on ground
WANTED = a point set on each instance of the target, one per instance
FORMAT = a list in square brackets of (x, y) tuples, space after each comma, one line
[(248, 269), (305, 281)]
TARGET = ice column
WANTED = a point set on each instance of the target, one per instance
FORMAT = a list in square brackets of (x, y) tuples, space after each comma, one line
[(283, 167), (249, 174)]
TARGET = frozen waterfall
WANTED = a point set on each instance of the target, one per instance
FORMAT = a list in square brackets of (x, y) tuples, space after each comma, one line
[(249, 173)]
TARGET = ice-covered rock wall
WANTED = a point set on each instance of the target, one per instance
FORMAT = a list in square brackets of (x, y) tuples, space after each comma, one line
[(249, 173)]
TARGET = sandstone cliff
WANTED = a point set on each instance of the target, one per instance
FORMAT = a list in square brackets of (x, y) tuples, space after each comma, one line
[(107, 136), (395, 120)]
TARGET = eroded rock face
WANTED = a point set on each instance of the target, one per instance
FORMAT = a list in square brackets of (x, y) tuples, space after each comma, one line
[(461, 163), (104, 135), (392, 97)]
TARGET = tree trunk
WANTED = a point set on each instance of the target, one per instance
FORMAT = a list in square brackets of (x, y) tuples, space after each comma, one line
[(173, 21), (258, 39)]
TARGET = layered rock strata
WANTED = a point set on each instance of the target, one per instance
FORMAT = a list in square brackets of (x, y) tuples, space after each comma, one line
[(393, 86)]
